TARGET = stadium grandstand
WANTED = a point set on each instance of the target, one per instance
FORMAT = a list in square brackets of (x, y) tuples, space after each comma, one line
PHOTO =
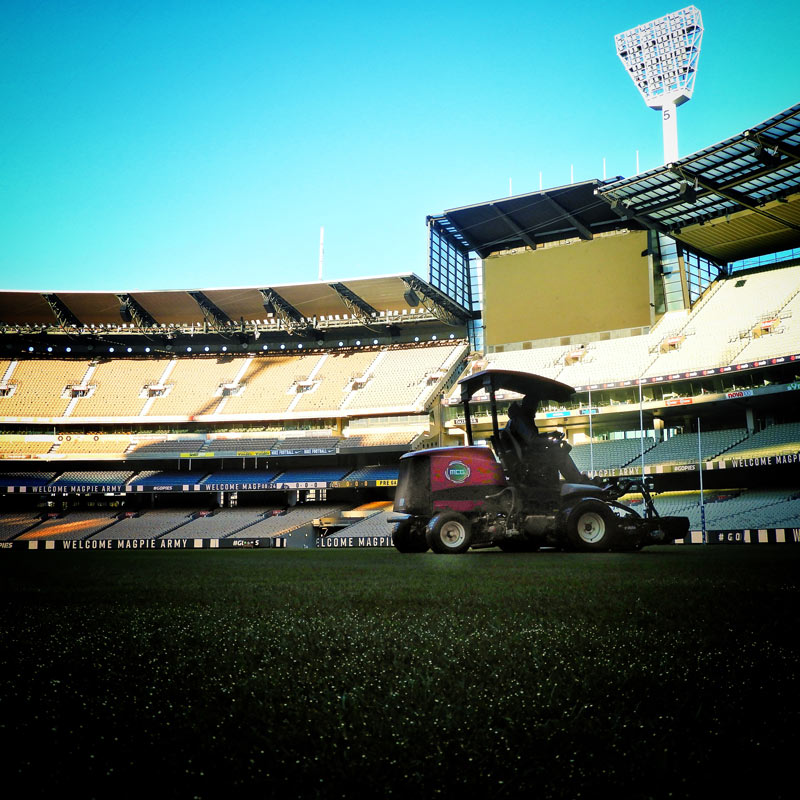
[(275, 416)]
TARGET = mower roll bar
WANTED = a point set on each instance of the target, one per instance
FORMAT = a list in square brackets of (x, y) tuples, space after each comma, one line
[(534, 388)]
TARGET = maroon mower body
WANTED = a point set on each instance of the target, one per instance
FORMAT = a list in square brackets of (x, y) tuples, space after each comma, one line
[(521, 494)]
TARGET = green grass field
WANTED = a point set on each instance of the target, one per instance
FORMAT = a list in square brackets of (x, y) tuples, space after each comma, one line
[(366, 673)]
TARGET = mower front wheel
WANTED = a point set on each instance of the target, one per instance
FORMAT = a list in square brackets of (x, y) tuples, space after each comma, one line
[(407, 539), (591, 526), (449, 532)]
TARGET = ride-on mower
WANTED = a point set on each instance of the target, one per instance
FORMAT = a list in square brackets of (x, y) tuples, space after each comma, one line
[(523, 493)]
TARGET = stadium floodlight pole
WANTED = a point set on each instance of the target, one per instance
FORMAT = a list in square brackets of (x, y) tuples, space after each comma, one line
[(661, 57)]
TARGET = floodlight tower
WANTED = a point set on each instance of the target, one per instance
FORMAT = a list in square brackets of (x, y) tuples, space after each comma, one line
[(661, 57)]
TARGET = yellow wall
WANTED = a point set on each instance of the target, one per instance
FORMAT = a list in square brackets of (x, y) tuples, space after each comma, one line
[(585, 287)]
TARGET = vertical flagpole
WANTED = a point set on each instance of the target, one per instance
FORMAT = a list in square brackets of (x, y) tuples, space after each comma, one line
[(321, 250)]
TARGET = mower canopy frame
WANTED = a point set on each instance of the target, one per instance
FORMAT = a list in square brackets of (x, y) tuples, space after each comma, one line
[(534, 388)]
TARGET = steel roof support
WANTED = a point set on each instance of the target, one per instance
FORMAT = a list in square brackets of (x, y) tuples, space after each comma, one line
[(130, 308), (436, 302), (733, 195), (619, 208), (211, 312), (774, 144), (510, 222), (359, 308), (64, 316), (291, 318), (583, 231)]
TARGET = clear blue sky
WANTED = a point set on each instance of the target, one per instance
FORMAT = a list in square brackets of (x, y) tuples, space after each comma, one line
[(182, 145)]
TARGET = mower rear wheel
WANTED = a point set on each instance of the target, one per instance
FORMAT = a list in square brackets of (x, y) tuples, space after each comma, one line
[(406, 539), (591, 526), (449, 532)]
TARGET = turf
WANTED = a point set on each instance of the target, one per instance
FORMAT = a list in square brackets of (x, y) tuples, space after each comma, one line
[(367, 673)]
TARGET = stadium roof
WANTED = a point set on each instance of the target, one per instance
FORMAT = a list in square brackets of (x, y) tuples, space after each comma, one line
[(734, 200), (526, 220), (358, 299)]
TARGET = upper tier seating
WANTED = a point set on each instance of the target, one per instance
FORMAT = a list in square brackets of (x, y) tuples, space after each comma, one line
[(247, 386), (40, 386), (713, 329), (404, 378), (357, 441), (782, 339), (119, 387), (331, 384), (194, 387), (268, 384)]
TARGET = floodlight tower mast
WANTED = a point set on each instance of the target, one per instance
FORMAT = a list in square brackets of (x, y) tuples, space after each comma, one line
[(661, 57)]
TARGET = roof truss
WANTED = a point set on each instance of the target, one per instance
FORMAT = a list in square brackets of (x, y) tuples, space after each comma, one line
[(436, 303), (359, 308), (513, 226), (131, 311), (728, 192), (291, 319), (212, 313), (580, 227), (65, 317)]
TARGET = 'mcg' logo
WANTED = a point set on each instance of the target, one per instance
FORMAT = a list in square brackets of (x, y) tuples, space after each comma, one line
[(457, 472)]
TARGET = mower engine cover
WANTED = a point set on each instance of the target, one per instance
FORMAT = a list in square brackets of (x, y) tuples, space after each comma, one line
[(447, 478)]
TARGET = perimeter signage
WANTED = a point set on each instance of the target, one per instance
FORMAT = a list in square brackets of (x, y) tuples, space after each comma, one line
[(144, 544), (69, 488), (343, 542), (209, 486)]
